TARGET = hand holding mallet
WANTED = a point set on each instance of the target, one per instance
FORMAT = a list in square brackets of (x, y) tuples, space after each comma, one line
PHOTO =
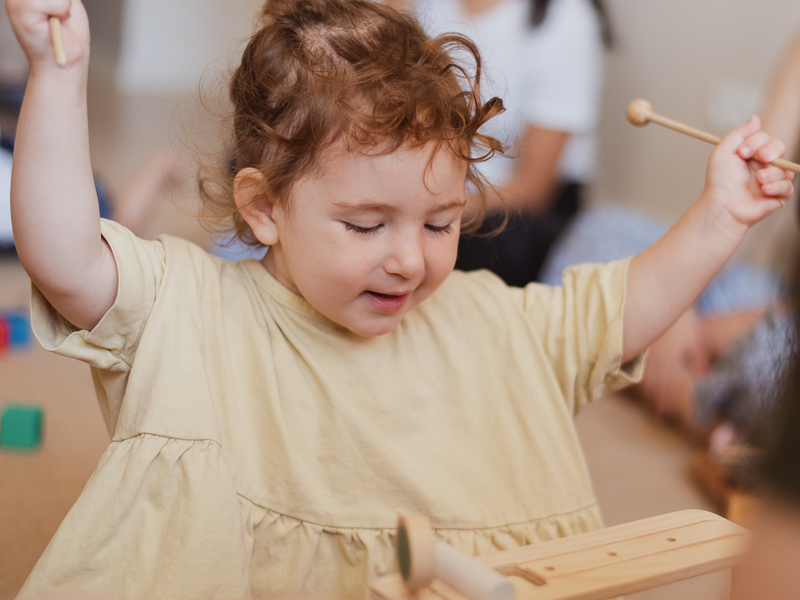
[(640, 113), (58, 42)]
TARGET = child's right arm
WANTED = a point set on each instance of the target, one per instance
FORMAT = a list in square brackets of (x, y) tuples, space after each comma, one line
[(54, 207)]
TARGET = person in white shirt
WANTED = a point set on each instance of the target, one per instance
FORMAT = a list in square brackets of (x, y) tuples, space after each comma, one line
[(544, 59)]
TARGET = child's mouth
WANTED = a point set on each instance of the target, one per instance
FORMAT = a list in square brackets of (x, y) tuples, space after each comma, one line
[(387, 303)]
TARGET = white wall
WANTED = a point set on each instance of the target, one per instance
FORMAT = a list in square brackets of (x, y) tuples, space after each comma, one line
[(701, 62), (166, 44)]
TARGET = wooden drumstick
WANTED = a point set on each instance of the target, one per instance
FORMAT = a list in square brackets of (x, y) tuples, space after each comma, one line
[(640, 113), (58, 42), (421, 559)]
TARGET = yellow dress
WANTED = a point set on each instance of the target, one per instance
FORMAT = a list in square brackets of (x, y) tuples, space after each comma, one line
[(258, 447)]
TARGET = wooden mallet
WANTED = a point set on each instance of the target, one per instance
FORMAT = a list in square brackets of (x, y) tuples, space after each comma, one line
[(58, 42), (422, 559), (640, 113)]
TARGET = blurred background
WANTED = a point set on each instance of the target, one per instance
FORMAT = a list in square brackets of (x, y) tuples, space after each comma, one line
[(702, 62)]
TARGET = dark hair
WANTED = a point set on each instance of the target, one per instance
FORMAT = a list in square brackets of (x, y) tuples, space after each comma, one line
[(781, 468), (319, 73), (539, 13)]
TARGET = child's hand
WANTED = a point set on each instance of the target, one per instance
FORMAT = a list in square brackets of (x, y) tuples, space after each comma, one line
[(741, 187), (30, 20)]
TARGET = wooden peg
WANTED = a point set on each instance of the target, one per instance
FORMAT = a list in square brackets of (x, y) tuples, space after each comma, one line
[(422, 559), (58, 42), (687, 554), (640, 113)]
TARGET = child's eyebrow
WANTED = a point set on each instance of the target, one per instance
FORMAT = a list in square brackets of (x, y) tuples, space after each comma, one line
[(392, 209)]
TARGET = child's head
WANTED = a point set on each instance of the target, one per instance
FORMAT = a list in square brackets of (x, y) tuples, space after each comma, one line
[(354, 133)]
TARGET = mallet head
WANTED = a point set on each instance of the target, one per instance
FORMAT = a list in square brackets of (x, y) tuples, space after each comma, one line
[(639, 112)]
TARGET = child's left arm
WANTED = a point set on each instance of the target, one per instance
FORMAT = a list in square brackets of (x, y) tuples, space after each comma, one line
[(740, 190)]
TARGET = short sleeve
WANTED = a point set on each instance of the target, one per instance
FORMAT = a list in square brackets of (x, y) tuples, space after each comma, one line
[(564, 62), (111, 345), (580, 326)]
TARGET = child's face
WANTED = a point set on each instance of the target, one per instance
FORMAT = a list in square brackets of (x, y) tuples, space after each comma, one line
[(371, 237)]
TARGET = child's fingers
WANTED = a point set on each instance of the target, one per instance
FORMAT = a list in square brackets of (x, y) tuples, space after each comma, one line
[(770, 174), (754, 144), (30, 20), (57, 8), (731, 142), (32, 17), (778, 189), (770, 151)]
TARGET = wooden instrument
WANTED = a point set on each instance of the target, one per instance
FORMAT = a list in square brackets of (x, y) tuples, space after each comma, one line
[(640, 113), (422, 559), (58, 42), (688, 554)]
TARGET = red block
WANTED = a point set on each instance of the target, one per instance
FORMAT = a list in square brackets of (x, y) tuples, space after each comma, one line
[(5, 335)]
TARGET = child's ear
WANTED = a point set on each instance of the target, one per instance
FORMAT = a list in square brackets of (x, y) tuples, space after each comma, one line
[(250, 192)]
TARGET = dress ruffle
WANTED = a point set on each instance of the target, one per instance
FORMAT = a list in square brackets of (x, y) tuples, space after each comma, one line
[(143, 503), (149, 492), (291, 555)]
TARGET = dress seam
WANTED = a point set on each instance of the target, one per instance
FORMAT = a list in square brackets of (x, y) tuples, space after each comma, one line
[(168, 437), (341, 528), (338, 527)]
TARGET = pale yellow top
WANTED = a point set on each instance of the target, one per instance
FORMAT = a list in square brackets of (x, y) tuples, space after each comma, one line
[(258, 446)]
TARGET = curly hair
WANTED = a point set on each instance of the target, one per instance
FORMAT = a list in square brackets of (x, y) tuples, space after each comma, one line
[(324, 72)]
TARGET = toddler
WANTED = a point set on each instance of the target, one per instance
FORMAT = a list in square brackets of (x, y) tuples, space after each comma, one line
[(271, 419)]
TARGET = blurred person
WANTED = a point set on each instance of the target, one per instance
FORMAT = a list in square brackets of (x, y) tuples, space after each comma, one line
[(544, 58), (132, 207), (735, 300), (771, 570), (718, 370)]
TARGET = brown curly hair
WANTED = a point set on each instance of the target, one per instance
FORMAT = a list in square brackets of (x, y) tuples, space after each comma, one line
[(324, 72)]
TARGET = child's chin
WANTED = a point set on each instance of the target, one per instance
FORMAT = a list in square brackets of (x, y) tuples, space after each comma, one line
[(374, 329)]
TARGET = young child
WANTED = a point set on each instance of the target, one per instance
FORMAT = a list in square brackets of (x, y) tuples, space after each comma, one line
[(270, 420)]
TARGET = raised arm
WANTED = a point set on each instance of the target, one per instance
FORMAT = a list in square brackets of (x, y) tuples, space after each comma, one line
[(781, 113), (665, 279), (54, 207)]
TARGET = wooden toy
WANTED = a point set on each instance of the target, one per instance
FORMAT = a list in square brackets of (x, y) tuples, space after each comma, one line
[(640, 113), (21, 427), (421, 559), (58, 42), (687, 554)]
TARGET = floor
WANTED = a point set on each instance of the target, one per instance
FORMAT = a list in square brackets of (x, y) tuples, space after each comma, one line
[(640, 467)]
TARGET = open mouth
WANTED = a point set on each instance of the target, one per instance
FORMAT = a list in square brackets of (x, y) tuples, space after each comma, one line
[(387, 303)]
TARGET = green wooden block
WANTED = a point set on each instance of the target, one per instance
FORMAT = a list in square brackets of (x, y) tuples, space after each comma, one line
[(21, 427)]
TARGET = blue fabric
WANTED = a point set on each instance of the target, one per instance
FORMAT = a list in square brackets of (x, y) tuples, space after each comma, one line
[(610, 233), (225, 246)]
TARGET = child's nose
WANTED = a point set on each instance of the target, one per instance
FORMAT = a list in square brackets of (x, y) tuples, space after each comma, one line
[(406, 257)]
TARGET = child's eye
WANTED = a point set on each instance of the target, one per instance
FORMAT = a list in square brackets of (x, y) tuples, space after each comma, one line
[(362, 230), (440, 229)]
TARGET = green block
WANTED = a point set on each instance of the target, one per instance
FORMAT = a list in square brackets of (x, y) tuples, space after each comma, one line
[(21, 427)]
